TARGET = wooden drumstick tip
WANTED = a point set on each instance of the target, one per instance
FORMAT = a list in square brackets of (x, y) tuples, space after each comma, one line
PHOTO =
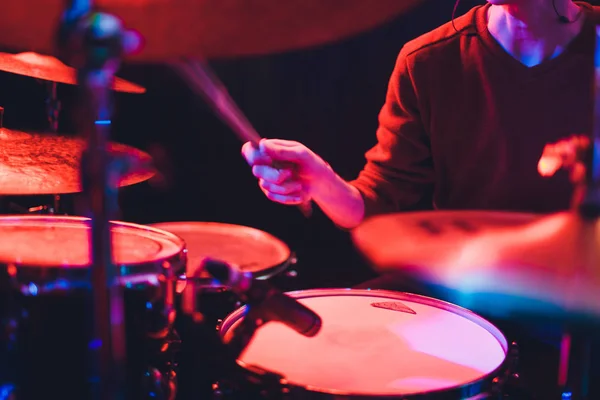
[(548, 165)]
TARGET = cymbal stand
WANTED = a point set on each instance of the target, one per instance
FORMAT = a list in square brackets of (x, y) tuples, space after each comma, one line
[(53, 106), (574, 377), (576, 346), (92, 42), (590, 204)]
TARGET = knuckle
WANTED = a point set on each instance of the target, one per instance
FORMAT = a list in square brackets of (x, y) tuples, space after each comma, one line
[(258, 171), (281, 176)]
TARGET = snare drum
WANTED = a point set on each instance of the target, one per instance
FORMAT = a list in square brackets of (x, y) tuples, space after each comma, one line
[(45, 307), (253, 250), (378, 344)]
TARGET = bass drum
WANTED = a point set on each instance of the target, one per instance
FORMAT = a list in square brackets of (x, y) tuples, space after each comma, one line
[(46, 311), (375, 344), (252, 250)]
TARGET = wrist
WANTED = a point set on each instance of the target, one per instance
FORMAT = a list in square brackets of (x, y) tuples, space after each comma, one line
[(323, 182)]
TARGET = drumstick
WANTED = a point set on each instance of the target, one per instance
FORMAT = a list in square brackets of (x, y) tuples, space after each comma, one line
[(205, 83)]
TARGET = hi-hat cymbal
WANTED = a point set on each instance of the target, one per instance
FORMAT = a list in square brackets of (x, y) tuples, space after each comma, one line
[(541, 266), (208, 28), (49, 68), (426, 238), (36, 164)]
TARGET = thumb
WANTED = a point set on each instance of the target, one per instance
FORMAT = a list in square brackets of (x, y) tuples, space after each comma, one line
[(283, 152)]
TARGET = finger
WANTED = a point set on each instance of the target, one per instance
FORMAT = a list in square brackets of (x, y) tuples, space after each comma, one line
[(271, 174), (281, 142), (254, 156), (286, 188), (548, 165), (293, 153), (290, 199)]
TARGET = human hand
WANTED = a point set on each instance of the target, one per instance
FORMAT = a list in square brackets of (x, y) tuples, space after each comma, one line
[(288, 172), (568, 154)]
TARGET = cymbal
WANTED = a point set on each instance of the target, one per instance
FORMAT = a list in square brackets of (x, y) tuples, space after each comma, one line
[(426, 238), (208, 28), (544, 266), (36, 164), (49, 68)]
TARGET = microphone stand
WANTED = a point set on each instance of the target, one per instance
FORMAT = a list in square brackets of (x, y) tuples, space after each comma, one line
[(94, 47)]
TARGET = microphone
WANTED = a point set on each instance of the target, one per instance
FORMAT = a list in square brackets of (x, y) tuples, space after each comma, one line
[(273, 304)]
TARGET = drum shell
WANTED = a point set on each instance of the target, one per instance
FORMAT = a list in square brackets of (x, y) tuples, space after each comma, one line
[(46, 319), (269, 384)]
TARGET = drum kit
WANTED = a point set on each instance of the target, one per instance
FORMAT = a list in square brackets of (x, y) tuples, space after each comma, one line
[(93, 307)]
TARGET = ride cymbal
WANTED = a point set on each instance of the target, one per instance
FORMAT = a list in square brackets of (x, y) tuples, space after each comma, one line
[(208, 28), (546, 266), (49, 68), (36, 164)]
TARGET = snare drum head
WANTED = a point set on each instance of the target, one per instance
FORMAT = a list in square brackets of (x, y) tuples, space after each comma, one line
[(378, 343), (251, 249), (63, 242)]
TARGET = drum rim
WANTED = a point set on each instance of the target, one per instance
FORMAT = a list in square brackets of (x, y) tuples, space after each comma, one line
[(55, 277), (466, 390), (265, 273)]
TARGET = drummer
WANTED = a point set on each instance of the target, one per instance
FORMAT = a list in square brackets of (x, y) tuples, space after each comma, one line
[(469, 108)]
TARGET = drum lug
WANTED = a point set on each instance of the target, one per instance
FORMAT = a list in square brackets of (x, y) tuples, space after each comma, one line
[(159, 386), (291, 273), (223, 390), (217, 392), (509, 385)]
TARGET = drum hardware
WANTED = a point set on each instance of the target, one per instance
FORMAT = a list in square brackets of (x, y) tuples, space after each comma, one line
[(205, 357), (264, 302), (203, 336), (575, 380), (95, 43), (53, 106), (256, 251), (270, 385)]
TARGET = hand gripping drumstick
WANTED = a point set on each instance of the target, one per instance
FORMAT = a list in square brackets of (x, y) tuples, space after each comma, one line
[(205, 83)]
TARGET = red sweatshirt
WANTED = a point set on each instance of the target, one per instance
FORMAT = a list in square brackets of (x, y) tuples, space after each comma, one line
[(464, 123)]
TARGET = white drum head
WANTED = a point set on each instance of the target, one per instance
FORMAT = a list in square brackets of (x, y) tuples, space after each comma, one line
[(378, 343)]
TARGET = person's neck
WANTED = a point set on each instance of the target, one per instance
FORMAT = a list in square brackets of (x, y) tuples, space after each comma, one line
[(531, 32)]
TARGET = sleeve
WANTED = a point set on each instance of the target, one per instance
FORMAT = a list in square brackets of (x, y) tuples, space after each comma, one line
[(398, 175)]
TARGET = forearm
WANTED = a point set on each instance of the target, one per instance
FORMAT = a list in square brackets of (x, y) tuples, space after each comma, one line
[(339, 200)]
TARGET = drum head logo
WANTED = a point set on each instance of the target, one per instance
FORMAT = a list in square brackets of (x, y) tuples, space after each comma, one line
[(394, 306)]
